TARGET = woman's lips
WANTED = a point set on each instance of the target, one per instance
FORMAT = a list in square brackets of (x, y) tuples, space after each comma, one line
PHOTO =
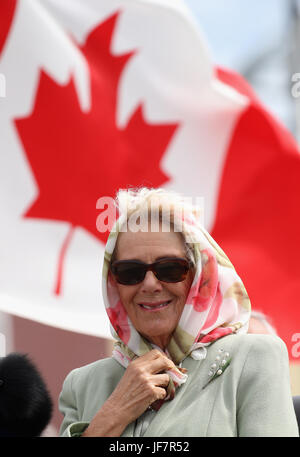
[(155, 306)]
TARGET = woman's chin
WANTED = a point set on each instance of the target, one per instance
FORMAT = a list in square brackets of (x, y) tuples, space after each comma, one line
[(159, 336)]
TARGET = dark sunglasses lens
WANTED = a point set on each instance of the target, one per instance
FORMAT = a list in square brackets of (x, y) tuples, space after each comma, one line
[(174, 271), (129, 273)]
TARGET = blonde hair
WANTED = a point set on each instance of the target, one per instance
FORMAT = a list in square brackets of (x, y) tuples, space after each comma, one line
[(161, 203)]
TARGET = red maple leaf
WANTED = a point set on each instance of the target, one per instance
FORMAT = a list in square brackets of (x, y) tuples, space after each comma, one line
[(77, 157), (7, 11)]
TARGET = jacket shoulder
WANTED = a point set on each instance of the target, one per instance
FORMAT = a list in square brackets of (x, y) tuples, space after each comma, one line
[(252, 350), (263, 344)]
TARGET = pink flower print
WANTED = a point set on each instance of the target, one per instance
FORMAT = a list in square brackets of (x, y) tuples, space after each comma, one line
[(119, 320), (193, 292), (214, 309), (215, 334), (208, 284)]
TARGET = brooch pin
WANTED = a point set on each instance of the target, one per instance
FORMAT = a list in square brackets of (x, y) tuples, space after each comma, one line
[(220, 364)]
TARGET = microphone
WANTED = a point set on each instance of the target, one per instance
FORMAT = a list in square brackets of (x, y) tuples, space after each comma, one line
[(25, 403)]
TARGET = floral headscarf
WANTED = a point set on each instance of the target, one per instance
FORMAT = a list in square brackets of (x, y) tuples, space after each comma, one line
[(217, 305)]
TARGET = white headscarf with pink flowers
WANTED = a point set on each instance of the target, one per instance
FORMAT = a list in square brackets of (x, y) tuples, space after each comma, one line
[(217, 305)]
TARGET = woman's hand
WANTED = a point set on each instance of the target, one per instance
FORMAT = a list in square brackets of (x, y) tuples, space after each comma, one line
[(142, 384)]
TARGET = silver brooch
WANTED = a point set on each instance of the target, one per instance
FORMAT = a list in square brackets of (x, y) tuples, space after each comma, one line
[(220, 364)]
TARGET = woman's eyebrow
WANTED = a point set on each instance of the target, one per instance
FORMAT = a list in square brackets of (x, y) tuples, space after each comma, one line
[(131, 259), (170, 256)]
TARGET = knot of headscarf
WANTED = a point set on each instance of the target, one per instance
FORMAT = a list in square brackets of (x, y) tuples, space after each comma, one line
[(217, 305)]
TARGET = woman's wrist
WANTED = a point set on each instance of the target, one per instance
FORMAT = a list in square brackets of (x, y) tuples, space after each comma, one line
[(108, 422)]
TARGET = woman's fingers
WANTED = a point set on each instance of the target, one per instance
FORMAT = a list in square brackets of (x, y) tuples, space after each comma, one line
[(160, 379), (160, 394), (154, 362), (158, 365)]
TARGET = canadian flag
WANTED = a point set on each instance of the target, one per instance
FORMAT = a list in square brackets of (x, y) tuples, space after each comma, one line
[(98, 95)]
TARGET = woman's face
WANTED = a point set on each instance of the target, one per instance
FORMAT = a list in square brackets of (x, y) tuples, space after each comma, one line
[(143, 301)]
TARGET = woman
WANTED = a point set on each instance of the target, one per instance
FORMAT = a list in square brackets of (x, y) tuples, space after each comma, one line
[(183, 364)]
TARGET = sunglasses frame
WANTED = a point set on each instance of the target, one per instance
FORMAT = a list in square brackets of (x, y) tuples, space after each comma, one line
[(150, 267)]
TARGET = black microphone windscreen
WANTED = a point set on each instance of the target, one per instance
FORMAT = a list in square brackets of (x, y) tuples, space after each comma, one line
[(25, 403)]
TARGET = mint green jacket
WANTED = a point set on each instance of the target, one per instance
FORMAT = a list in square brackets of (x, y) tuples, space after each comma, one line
[(251, 397)]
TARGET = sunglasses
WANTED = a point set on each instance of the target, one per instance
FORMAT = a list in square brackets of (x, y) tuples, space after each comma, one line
[(130, 272)]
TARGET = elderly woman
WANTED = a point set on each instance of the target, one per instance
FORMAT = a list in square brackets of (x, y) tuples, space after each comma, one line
[(183, 363)]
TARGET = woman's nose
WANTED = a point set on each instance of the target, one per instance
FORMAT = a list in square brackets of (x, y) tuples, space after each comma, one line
[(151, 283)]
